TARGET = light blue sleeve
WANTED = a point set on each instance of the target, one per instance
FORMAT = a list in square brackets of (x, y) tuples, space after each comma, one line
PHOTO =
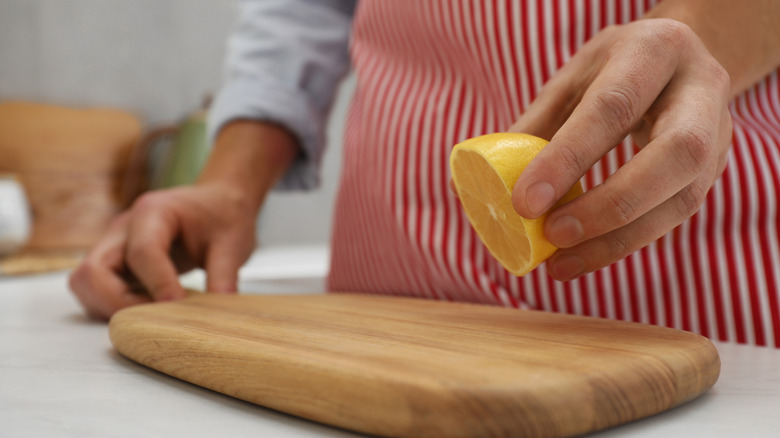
[(285, 61)]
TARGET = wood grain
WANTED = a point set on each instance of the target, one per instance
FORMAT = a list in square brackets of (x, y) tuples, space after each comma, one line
[(408, 367), (72, 163), (39, 262)]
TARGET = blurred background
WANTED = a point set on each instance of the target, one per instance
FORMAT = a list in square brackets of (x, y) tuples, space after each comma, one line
[(154, 60)]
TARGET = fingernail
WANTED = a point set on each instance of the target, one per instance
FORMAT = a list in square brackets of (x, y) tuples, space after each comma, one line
[(566, 231), (567, 267), (539, 197)]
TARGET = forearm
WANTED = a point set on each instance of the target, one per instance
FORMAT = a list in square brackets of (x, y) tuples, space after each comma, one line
[(248, 158), (285, 60), (744, 36)]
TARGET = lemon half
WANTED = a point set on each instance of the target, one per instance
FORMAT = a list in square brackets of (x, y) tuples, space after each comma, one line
[(484, 171)]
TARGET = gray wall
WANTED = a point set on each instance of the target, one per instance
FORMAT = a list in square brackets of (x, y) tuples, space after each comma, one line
[(155, 58)]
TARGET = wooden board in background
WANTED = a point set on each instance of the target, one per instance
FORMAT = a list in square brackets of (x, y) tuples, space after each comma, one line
[(72, 164), (409, 367), (39, 262)]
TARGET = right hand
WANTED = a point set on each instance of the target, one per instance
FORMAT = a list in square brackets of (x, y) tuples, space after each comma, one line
[(163, 234)]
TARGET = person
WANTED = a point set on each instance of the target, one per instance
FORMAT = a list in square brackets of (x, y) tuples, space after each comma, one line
[(669, 113)]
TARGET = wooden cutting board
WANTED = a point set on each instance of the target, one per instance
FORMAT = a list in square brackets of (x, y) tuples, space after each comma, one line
[(408, 367)]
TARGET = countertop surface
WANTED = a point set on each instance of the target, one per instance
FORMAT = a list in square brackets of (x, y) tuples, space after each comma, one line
[(60, 376)]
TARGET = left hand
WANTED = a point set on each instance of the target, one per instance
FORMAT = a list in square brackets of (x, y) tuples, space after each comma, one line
[(655, 80)]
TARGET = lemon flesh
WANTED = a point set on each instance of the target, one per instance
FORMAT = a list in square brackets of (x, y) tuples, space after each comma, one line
[(484, 171)]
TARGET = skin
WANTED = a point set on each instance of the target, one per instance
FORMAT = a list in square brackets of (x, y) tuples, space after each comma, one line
[(209, 225), (666, 81)]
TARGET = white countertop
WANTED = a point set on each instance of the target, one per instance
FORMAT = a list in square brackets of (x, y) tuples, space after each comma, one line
[(59, 375)]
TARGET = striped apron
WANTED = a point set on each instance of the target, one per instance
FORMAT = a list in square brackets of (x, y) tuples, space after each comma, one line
[(433, 73)]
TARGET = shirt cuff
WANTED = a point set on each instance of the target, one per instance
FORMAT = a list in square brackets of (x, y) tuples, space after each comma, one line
[(264, 100)]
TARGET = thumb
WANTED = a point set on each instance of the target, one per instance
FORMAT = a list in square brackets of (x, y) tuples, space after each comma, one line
[(222, 264)]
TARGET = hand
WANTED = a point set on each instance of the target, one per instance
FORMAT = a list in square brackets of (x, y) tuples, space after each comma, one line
[(163, 234), (653, 79)]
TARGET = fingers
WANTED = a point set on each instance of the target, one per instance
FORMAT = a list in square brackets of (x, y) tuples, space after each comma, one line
[(655, 80), (641, 202), (164, 233), (561, 94), (98, 283), (101, 291), (613, 105), (668, 164), (690, 134), (151, 233), (593, 254), (222, 265)]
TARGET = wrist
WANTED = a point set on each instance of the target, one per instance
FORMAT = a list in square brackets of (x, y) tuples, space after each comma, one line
[(248, 159)]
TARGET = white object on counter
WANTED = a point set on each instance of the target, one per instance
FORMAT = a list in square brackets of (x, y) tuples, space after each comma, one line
[(60, 376), (15, 221), (277, 269)]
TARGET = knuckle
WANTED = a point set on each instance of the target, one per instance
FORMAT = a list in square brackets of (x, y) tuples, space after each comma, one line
[(720, 77), (606, 33), (610, 28), (617, 104), (147, 201), (672, 32), (135, 253), (617, 246), (570, 157), (619, 210), (696, 147), (690, 199), (675, 29)]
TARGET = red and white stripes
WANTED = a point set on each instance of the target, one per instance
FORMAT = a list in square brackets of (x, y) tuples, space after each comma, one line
[(433, 73)]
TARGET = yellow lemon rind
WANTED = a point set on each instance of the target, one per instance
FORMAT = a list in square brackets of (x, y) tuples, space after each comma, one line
[(508, 154)]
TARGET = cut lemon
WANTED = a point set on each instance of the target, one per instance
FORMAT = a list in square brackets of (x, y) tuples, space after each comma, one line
[(484, 171)]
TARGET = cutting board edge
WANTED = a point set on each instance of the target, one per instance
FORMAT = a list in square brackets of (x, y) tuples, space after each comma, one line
[(397, 430)]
